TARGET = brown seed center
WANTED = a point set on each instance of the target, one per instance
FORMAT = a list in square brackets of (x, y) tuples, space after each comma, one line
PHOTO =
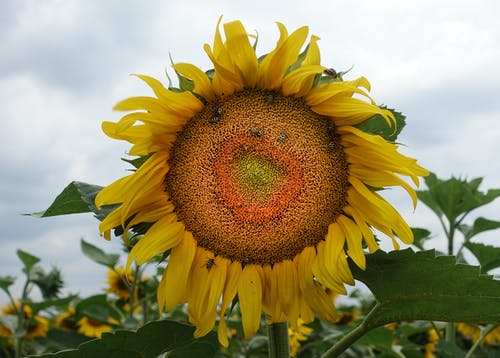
[(257, 176)]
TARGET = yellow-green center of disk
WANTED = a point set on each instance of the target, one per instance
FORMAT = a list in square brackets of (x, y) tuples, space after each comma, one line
[(257, 176)]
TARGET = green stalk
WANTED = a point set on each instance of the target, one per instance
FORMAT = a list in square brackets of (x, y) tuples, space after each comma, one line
[(484, 333), (20, 315), (278, 344), (352, 336), (450, 326)]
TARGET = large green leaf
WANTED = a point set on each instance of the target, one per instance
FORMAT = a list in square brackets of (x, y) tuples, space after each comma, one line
[(454, 197), (99, 256), (421, 286), (76, 198), (488, 256), (150, 340)]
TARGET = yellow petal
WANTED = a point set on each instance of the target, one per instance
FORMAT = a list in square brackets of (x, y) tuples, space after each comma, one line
[(365, 229), (173, 290), (198, 285), (241, 52), (229, 292), (313, 56), (299, 82), (275, 64), (182, 103), (354, 241), (163, 235), (202, 85), (250, 296)]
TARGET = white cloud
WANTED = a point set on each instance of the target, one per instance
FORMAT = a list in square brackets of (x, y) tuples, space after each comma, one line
[(65, 63)]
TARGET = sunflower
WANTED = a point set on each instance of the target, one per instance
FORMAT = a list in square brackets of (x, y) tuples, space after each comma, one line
[(36, 326), (257, 180), (430, 346), (94, 328), (118, 282), (474, 332), (297, 335), (66, 320)]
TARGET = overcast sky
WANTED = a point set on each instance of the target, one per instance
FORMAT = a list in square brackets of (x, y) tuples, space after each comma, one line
[(65, 63)]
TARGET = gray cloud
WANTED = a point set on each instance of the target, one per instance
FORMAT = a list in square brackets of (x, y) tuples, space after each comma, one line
[(64, 65)]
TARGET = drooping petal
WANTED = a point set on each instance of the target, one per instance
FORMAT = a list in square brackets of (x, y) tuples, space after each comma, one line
[(172, 289), (250, 296), (163, 235)]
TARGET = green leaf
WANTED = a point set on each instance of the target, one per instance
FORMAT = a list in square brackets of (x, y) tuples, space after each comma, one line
[(74, 199), (420, 235), (377, 125), (151, 340), (57, 340), (97, 255), (455, 197), (6, 282), (420, 286), (481, 225), (488, 256), (56, 302), (381, 338), (97, 308), (28, 260)]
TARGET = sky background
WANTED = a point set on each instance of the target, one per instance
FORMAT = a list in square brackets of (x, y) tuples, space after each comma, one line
[(65, 63)]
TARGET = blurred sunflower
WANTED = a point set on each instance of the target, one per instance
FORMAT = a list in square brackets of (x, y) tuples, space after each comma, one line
[(118, 282), (36, 326), (94, 328), (430, 346), (66, 320), (258, 181), (473, 333), (296, 335)]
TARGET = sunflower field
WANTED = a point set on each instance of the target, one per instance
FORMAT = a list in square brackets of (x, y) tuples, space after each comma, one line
[(252, 223)]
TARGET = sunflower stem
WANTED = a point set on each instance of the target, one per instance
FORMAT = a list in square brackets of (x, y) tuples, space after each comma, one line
[(352, 336), (484, 333), (278, 340)]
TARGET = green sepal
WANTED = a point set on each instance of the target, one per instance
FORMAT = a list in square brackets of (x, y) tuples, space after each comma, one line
[(137, 162), (185, 84), (151, 340), (377, 125), (99, 256)]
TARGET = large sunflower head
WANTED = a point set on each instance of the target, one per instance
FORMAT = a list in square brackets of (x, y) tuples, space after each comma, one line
[(257, 178)]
